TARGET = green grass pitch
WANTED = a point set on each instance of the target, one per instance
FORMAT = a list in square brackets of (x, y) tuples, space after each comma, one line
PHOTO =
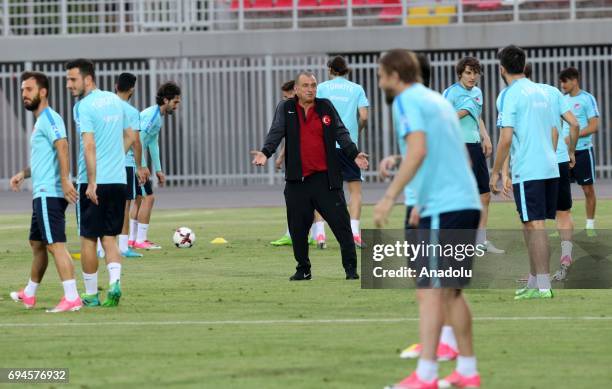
[(227, 317)]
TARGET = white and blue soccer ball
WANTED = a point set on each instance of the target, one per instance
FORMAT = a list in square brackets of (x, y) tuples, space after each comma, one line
[(183, 238)]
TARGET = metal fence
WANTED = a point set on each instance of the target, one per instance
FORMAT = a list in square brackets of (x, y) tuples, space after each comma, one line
[(61, 17), (228, 105)]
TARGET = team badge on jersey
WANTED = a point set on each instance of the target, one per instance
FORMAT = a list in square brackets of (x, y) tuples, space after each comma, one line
[(326, 120)]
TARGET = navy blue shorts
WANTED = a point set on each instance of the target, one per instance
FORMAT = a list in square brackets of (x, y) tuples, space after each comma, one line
[(106, 218), (456, 228), (583, 173), (407, 225), (564, 196), (132, 183), (350, 170), (536, 199), (146, 189), (48, 220), (479, 167)]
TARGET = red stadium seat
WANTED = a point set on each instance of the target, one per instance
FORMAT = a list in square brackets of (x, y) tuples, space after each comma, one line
[(283, 4), (235, 4), (308, 4), (391, 12), (484, 5), (331, 5), (490, 5), (263, 4)]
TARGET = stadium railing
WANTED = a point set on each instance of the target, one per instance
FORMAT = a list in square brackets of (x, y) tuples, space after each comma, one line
[(63, 17)]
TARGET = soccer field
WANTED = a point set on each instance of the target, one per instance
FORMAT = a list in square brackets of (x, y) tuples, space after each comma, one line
[(226, 316)]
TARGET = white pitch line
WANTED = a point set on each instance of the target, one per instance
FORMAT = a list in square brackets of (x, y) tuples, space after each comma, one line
[(292, 321)]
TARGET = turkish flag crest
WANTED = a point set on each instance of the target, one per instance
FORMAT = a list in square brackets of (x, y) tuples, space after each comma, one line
[(326, 120)]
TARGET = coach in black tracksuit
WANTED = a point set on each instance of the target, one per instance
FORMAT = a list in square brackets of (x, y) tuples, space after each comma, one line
[(311, 127)]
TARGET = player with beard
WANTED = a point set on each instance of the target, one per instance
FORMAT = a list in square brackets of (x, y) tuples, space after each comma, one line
[(52, 191), (435, 166)]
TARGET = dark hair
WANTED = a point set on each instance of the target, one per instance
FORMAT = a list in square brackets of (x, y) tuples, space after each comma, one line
[(168, 90), (42, 81), (288, 86), (528, 70), (513, 59), (463, 63), (570, 73), (404, 62), (338, 66), (85, 66), (125, 82), (425, 68)]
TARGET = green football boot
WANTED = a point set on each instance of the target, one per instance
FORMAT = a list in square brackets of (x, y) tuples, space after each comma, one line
[(533, 294), (113, 296), (90, 300), (284, 241)]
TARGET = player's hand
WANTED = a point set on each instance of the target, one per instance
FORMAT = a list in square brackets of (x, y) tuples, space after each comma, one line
[(259, 158), (572, 161), (386, 165), (493, 182), (414, 217), (91, 194), (16, 181), (487, 147), (278, 164), (382, 211), (507, 185), (362, 161), (143, 175), (161, 177), (70, 193)]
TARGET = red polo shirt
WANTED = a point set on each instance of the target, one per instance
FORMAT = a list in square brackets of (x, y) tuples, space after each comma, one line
[(312, 145)]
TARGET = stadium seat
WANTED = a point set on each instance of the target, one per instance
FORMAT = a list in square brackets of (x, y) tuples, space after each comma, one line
[(309, 4), (483, 5), (264, 5), (331, 5), (430, 15), (391, 12), (489, 5), (283, 4), (235, 4)]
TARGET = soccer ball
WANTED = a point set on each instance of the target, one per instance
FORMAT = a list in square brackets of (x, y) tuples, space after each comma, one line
[(183, 238)]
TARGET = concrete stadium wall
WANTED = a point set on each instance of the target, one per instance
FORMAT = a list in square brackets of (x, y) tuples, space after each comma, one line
[(315, 41)]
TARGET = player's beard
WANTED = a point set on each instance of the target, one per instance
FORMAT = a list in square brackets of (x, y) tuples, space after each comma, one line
[(34, 104), (389, 97), (505, 80)]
